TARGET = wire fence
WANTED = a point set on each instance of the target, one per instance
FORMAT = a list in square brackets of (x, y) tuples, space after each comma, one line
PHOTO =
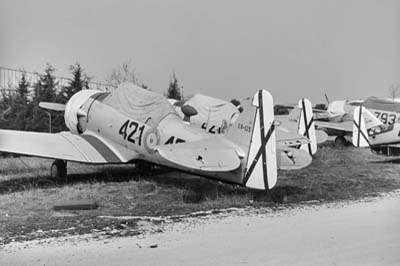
[(10, 78)]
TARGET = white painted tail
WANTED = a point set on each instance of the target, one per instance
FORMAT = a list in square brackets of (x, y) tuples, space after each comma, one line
[(370, 119), (306, 126), (254, 131), (360, 134)]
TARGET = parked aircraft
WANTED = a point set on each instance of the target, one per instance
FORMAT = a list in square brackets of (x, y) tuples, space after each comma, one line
[(215, 116), (386, 110), (337, 119), (131, 124), (299, 120), (385, 140)]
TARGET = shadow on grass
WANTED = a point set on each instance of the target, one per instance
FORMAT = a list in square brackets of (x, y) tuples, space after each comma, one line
[(163, 177), (44, 182), (194, 189)]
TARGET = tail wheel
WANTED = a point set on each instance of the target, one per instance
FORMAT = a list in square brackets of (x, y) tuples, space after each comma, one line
[(58, 169)]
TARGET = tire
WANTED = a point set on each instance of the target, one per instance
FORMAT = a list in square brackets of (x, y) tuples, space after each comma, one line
[(58, 170), (340, 141)]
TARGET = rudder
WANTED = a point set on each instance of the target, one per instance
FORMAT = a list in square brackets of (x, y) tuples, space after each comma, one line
[(306, 126), (360, 134), (255, 132)]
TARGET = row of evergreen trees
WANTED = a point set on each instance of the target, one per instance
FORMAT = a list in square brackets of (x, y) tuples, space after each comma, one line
[(19, 108)]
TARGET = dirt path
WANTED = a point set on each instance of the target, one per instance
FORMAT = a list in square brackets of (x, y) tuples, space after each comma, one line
[(360, 233)]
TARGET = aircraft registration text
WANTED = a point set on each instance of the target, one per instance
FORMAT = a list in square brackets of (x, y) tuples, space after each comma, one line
[(244, 127), (131, 131), (387, 118)]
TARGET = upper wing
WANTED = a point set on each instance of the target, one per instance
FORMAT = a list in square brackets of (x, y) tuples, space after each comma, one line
[(64, 146), (204, 155)]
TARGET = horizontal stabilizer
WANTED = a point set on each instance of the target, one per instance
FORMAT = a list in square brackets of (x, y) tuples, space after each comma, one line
[(52, 106), (285, 137), (321, 136), (204, 155), (345, 126), (292, 159)]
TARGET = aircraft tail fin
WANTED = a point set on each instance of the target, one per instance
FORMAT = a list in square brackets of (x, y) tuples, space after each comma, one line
[(360, 134), (254, 132), (370, 119), (306, 126)]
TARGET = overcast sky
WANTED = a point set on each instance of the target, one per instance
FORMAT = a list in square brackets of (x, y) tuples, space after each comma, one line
[(226, 49)]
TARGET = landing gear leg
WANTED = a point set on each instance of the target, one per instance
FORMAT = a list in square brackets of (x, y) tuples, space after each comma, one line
[(58, 169)]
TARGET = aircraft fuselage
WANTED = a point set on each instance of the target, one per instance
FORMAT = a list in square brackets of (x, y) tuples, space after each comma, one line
[(135, 139)]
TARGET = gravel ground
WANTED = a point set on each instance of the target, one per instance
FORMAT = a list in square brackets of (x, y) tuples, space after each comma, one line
[(363, 232)]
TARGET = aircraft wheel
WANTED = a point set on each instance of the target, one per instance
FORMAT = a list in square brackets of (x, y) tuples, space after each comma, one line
[(340, 141), (58, 169)]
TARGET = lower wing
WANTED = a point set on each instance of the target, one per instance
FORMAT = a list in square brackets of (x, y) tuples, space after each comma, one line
[(63, 146)]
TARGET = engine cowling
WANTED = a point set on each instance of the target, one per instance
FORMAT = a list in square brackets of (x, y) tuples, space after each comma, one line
[(74, 111)]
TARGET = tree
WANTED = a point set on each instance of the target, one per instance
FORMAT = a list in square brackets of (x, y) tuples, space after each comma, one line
[(20, 109), (79, 82), (174, 90), (125, 73), (14, 106), (44, 91), (394, 91), (45, 88), (6, 102)]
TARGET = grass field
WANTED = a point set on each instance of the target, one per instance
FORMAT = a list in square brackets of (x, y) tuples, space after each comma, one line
[(27, 195)]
